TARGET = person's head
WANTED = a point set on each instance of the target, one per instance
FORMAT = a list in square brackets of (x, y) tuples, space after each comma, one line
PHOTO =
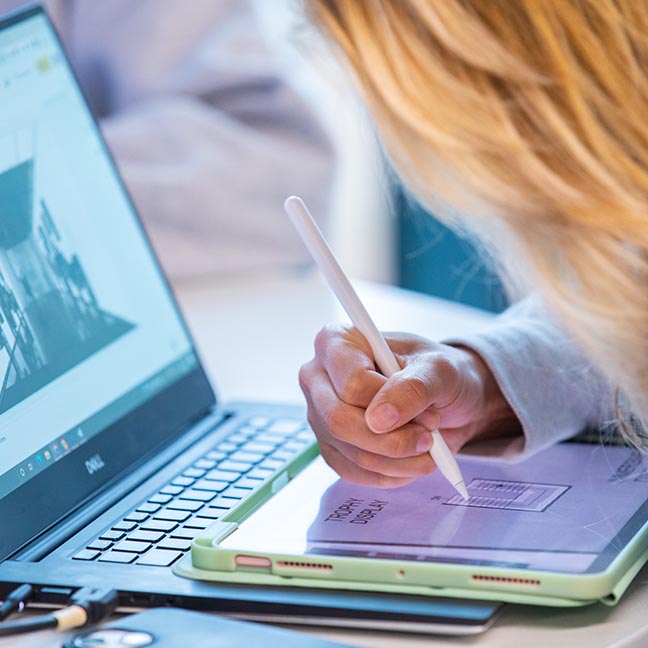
[(540, 109)]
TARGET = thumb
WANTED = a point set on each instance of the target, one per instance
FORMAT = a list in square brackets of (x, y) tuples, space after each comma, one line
[(410, 392)]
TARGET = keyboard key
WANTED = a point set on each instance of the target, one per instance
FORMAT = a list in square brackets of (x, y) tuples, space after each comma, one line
[(235, 466), (286, 426), (212, 513), (125, 526), (132, 547), (149, 507), (86, 554), (145, 536), (186, 505), (248, 432), (182, 481), (260, 474), (247, 483), (118, 557), (247, 457), (198, 523), (272, 464), (283, 455), (227, 447), (260, 448), (270, 439), (216, 455), (136, 516), (161, 498), (295, 446), (205, 464), (185, 533), (99, 545), (210, 485), (259, 421), (112, 535), (193, 472), (158, 525), (236, 493), (172, 490), (237, 438), (224, 503), (222, 475), (306, 435), (175, 543), (168, 514), (159, 558), (198, 495)]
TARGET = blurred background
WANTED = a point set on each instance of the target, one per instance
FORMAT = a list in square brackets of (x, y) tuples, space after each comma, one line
[(216, 110)]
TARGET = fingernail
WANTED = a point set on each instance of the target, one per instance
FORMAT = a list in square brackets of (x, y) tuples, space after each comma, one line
[(383, 417), (424, 443)]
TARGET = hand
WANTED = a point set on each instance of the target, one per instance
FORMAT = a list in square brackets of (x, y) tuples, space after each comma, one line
[(363, 421)]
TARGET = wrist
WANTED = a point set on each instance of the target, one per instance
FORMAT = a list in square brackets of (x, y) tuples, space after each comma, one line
[(495, 417)]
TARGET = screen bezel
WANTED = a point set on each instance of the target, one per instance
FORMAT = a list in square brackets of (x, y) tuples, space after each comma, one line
[(50, 495)]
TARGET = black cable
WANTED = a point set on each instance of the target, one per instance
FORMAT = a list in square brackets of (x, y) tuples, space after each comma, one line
[(87, 605), (97, 602), (16, 601), (28, 625)]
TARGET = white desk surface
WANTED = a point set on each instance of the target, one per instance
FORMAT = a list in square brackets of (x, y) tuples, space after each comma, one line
[(253, 334)]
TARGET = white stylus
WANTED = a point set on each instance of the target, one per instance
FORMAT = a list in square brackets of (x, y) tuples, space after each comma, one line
[(387, 363)]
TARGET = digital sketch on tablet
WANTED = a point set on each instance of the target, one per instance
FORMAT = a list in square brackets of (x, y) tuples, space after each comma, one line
[(509, 495)]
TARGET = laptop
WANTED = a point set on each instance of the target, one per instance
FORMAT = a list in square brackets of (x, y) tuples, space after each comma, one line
[(114, 451)]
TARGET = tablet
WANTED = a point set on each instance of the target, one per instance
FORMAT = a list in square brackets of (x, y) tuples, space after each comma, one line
[(564, 527)]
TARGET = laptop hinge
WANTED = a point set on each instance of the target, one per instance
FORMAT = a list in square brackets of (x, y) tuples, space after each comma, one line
[(88, 510)]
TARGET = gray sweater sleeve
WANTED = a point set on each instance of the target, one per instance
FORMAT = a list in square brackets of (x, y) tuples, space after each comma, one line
[(548, 381)]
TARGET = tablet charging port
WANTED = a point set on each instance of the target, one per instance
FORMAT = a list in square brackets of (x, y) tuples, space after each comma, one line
[(253, 562)]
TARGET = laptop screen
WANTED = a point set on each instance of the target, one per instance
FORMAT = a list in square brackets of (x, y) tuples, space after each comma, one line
[(88, 330)]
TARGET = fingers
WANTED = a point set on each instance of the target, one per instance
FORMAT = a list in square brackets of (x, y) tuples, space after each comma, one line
[(432, 380), (373, 430), (344, 425), (354, 451), (347, 358), (351, 472)]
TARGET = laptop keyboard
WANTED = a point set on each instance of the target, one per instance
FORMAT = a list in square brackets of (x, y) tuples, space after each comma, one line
[(160, 530)]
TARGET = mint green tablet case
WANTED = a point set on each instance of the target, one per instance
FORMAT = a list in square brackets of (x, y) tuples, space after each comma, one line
[(210, 562)]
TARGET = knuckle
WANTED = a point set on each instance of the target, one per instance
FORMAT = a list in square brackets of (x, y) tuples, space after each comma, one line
[(353, 389), (398, 445), (366, 460), (324, 337), (416, 390), (336, 422), (305, 375)]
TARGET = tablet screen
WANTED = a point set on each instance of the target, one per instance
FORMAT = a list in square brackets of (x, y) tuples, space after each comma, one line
[(571, 508)]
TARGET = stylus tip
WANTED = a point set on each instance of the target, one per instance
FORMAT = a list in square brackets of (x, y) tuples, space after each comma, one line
[(461, 489)]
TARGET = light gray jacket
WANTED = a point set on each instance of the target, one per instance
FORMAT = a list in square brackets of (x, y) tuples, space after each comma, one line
[(552, 387)]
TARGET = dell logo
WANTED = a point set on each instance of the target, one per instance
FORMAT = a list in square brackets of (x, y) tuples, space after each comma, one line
[(94, 464)]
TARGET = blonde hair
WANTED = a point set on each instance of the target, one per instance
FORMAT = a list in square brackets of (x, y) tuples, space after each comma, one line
[(540, 107)]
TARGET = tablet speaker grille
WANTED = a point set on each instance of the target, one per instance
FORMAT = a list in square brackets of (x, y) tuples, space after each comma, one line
[(304, 565), (508, 580)]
